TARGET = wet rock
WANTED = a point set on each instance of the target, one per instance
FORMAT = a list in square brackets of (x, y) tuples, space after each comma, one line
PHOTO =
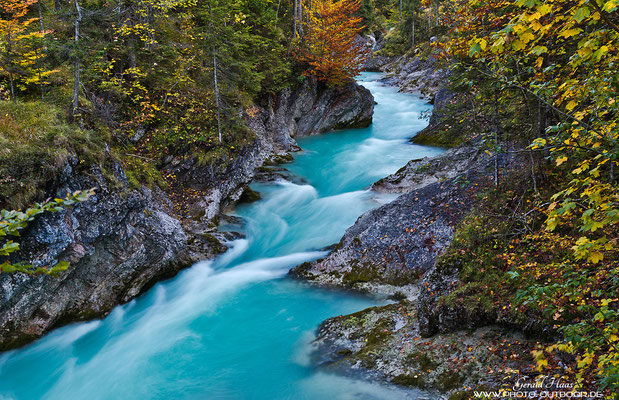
[(375, 62), (397, 243), (311, 109), (249, 196), (384, 343), (417, 74), (119, 243), (422, 172)]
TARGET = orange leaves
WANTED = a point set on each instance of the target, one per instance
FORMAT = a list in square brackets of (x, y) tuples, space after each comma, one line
[(330, 48)]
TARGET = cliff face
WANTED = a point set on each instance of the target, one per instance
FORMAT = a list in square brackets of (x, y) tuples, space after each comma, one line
[(121, 241), (311, 109), (118, 243)]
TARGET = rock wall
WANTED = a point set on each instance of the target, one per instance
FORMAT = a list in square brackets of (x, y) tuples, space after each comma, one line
[(398, 242), (416, 74), (121, 241)]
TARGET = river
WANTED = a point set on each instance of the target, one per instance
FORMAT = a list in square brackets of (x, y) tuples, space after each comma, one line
[(236, 327)]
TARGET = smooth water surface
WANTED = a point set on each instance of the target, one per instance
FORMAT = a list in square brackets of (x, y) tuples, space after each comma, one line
[(236, 328)]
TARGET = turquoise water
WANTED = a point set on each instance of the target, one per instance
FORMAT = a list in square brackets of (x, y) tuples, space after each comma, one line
[(236, 327)]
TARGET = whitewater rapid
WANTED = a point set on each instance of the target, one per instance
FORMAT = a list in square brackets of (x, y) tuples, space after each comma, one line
[(236, 327)]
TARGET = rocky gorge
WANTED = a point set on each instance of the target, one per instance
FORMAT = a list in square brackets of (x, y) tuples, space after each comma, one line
[(122, 240), (422, 339)]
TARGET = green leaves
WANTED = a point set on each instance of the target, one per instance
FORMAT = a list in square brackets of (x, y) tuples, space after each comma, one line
[(11, 222), (582, 13)]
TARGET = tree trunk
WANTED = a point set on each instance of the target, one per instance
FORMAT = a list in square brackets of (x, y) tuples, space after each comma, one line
[(76, 81), (9, 50), (541, 119), (429, 19), (496, 139), (40, 16), (294, 18), (279, 2), (217, 102), (36, 53), (413, 35), (300, 16), (12, 87), (400, 10), (131, 51), (57, 5), (436, 5)]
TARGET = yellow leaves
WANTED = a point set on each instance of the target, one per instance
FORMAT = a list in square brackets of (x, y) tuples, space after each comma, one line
[(534, 17), (570, 105), (497, 46), (539, 62), (538, 143), (606, 302), (599, 53), (561, 160), (517, 45), (586, 360), (526, 37), (536, 26), (544, 9), (551, 223), (538, 50), (610, 6), (595, 257), (570, 32), (540, 361)]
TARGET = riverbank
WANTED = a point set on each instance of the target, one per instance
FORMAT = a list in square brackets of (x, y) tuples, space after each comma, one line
[(427, 339), (234, 326), (128, 236)]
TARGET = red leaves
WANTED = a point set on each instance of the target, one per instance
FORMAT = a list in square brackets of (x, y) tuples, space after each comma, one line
[(330, 48)]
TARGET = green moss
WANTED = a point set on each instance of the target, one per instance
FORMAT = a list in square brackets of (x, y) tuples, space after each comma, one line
[(449, 380), (35, 145), (360, 274), (441, 136), (409, 380), (249, 196), (421, 360), (279, 159), (142, 172), (461, 395)]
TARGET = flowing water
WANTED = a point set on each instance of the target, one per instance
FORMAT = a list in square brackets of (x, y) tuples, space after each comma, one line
[(236, 327)]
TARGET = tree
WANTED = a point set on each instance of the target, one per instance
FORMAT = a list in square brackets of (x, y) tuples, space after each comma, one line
[(562, 57), (330, 48), (13, 32), (76, 65)]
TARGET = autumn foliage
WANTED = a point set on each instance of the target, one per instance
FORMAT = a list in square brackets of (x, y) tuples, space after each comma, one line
[(561, 57), (330, 47), (18, 44)]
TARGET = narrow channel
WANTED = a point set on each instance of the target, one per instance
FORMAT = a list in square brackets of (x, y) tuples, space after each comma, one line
[(237, 327)]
